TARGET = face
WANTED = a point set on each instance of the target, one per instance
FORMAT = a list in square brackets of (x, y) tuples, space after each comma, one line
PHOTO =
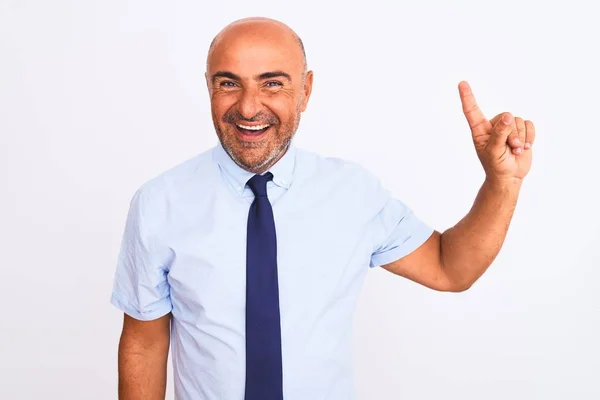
[(258, 89)]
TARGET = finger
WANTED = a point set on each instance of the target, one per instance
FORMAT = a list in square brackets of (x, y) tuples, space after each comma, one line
[(496, 119), (474, 116), (514, 141), (530, 134), (519, 135), (502, 129), (521, 130)]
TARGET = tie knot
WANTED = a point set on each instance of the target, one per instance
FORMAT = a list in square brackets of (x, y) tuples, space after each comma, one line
[(258, 184)]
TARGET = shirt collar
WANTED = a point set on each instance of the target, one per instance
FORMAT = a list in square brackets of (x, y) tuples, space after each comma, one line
[(282, 170)]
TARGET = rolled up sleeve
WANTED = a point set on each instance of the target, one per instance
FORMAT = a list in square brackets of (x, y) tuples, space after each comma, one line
[(140, 287), (397, 232)]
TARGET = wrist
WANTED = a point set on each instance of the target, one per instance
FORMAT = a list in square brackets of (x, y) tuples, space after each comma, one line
[(506, 183)]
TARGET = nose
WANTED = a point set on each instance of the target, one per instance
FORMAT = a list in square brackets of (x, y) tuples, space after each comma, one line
[(249, 103)]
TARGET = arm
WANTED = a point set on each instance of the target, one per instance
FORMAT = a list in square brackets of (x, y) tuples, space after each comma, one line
[(469, 247), (143, 353), (454, 260)]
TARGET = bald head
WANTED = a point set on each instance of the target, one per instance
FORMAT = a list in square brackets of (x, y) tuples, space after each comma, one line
[(258, 28)]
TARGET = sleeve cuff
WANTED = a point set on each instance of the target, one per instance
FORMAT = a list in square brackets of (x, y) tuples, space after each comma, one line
[(415, 241), (160, 308)]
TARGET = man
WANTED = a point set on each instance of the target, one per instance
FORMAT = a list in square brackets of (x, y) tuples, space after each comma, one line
[(248, 259)]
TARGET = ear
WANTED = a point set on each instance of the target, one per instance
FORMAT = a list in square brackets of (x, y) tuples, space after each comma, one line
[(307, 89), (208, 86)]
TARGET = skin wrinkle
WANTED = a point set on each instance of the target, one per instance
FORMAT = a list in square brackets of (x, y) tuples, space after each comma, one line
[(256, 73)]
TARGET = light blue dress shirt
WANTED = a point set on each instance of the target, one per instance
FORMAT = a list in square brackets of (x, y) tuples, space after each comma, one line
[(184, 252)]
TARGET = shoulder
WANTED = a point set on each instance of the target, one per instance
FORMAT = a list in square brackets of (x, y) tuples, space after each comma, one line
[(348, 184), (152, 195), (337, 171)]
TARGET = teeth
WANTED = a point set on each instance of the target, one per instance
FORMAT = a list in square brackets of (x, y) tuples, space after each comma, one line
[(253, 128)]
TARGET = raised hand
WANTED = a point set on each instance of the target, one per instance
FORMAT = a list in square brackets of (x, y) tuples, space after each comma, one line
[(503, 144)]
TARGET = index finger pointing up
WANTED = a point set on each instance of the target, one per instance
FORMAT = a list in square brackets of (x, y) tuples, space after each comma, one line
[(470, 108)]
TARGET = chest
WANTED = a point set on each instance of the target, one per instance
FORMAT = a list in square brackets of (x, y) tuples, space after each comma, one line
[(323, 248)]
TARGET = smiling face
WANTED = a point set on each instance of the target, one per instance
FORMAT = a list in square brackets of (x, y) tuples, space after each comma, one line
[(258, 88)]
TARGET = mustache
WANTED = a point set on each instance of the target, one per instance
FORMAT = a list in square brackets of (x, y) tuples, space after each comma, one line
[(262, 117)]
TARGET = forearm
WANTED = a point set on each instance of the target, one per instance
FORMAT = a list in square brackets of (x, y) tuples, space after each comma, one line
[(142, 370), (469, 247)]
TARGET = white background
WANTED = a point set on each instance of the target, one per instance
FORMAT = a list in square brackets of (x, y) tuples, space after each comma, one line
[(97, 97)]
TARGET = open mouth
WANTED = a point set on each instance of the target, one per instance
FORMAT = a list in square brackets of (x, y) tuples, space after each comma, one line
[(252, 130), (252, 133)]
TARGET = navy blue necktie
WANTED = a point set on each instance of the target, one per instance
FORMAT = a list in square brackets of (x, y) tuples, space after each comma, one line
[(264, 377)]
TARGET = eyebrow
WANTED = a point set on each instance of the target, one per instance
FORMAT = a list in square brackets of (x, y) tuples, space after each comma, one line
[(264, 75), (275, 74), (224, 74)]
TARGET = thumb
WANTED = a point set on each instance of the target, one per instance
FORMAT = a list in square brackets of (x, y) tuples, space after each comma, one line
[(501, 129)]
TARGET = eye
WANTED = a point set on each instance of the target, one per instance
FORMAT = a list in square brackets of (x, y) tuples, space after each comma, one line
[(273, 84), (227, 84)]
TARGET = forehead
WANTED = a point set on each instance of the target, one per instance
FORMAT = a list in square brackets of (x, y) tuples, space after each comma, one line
[(255, 52)]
